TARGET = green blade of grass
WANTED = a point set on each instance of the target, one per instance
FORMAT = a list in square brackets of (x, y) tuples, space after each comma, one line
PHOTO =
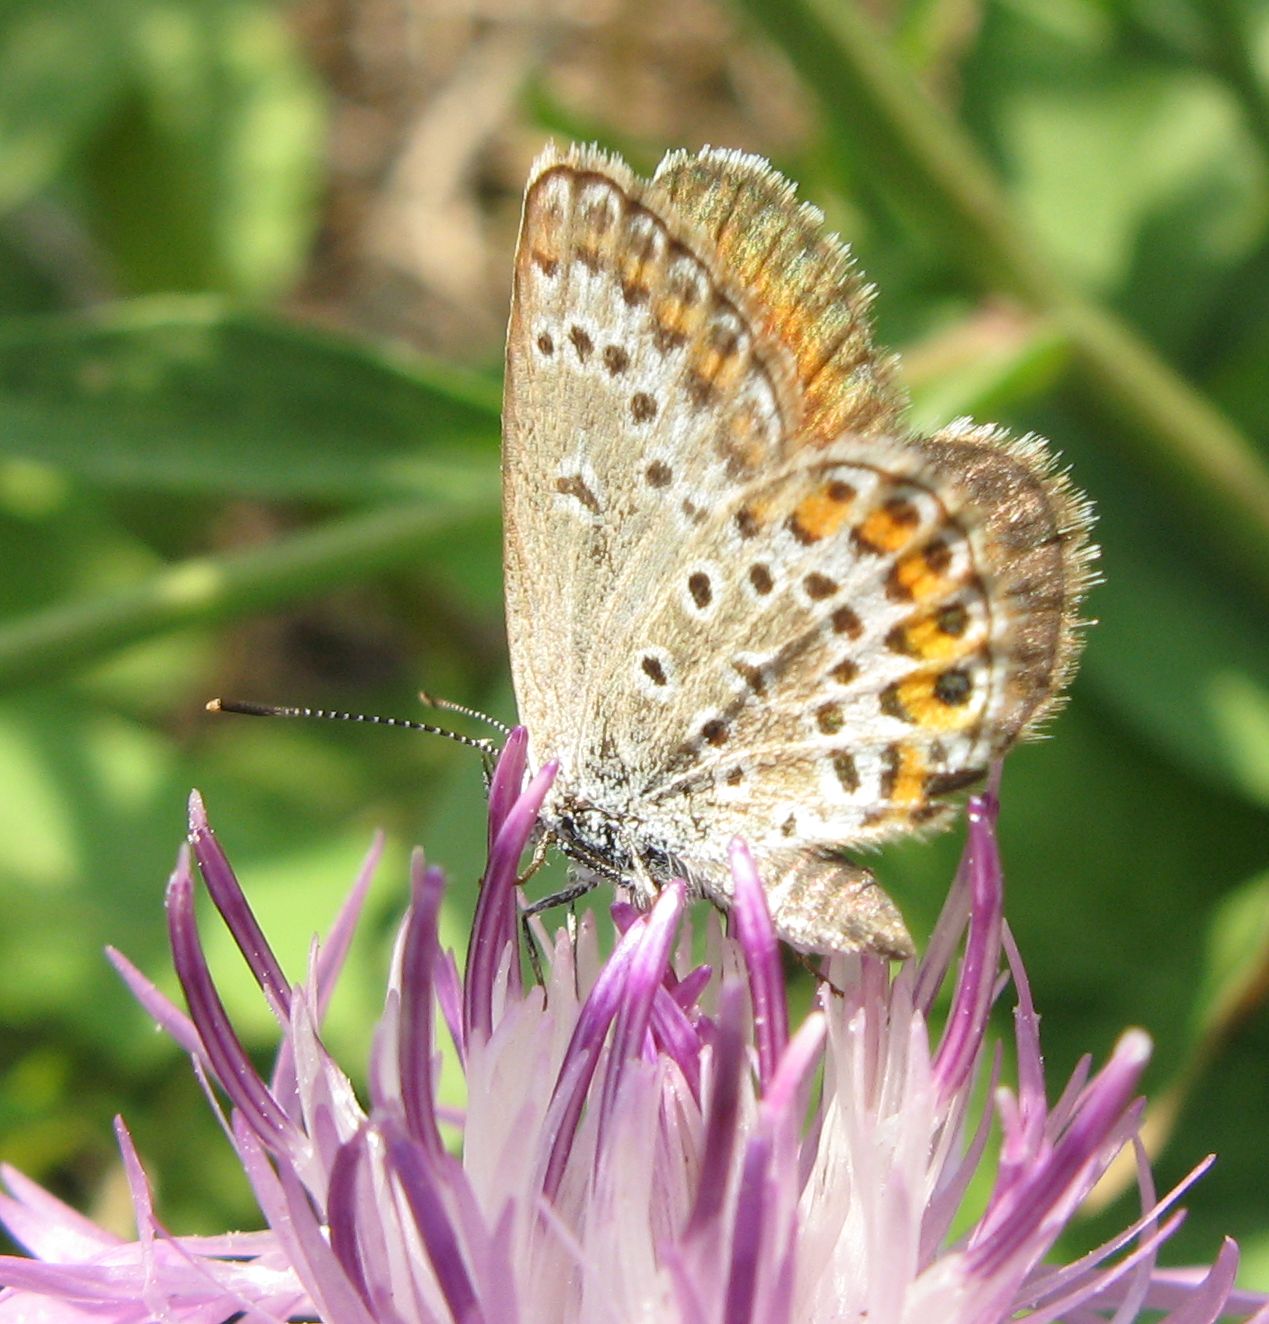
[(209, 589), (187, 394)]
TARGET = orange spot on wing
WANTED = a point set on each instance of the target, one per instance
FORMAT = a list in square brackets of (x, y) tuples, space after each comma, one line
[(909, 781), (720, 368), (753, 516), (822, 513), (923, 577), (922, 637), (889, 528), (924, 708), (674, 321), (635, 274), (741, 441)]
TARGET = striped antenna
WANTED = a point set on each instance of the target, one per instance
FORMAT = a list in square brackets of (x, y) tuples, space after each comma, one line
[(449, 706), (486, 747)]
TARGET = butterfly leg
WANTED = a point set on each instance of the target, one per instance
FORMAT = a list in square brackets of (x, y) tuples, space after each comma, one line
[(531, 946), (564, 897), (541, 845)]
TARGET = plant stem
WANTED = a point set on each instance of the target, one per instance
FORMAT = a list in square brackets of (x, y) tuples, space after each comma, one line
[(209, 589)]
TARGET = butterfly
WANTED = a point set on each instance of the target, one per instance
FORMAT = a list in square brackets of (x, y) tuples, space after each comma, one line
[(743, 598)]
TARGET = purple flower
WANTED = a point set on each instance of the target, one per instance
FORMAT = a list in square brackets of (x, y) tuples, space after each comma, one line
[(644, 1139)]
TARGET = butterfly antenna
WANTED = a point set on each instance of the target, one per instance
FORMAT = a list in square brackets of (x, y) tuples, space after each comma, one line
[(449, 706), (486, 747)]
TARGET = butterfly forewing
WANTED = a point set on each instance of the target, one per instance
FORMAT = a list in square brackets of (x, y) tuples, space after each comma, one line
[(628, 372)]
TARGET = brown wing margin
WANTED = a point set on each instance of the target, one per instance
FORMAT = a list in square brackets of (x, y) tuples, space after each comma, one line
[(1034, 549)]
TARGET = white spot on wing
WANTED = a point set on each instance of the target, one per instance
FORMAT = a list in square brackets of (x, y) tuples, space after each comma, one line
[(700, 589), (655, 675)]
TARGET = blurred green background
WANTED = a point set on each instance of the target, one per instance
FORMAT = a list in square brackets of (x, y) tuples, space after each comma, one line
[(254, 263)]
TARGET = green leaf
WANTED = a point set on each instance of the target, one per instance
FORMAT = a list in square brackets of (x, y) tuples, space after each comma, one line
[(1137, 178), (209, 589), (1239, 708), (71, 884), (206, 177), (187, 395), (1179, 650), (982, 367), (1236, 971), (63, 66)]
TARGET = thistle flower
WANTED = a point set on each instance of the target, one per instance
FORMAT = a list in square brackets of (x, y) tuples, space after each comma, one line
[(644, 1138)]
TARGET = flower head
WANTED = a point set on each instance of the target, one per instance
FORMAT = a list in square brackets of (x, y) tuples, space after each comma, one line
[(644, 1138)]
